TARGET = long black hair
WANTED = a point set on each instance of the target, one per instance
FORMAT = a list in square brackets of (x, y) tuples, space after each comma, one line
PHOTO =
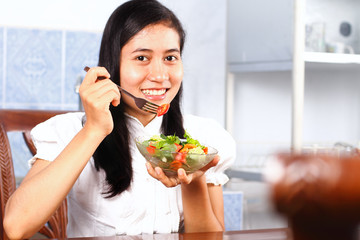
[(113, 154)]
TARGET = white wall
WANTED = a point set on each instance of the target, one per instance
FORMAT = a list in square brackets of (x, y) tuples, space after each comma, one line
[(332, 104), (88, 15), (204, 54), (262, 116)]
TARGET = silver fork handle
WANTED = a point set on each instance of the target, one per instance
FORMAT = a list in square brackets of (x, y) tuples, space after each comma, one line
[(124, 91)]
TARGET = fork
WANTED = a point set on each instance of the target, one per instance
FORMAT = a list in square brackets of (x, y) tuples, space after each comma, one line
[(140, 102)]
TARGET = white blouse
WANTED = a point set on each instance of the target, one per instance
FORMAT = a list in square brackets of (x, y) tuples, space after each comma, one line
[(147, 206)]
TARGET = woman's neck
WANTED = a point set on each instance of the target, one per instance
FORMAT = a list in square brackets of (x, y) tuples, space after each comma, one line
[(145, 118)]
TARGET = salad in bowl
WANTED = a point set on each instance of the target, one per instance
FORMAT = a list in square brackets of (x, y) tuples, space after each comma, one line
[(171, 153)]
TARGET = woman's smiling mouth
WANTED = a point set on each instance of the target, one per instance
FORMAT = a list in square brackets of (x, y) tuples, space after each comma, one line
[(154, 94)]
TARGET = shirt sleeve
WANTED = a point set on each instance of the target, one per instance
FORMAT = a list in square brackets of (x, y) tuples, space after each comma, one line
[(51, 137), (226, 146), (211, 133)]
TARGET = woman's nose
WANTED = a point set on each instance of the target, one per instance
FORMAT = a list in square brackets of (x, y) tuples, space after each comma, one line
[(158, 72)]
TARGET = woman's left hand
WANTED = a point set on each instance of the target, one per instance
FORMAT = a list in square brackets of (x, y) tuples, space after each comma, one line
[(182, 177)]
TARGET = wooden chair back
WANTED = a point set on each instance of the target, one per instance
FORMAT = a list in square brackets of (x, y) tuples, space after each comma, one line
[(23, 121)]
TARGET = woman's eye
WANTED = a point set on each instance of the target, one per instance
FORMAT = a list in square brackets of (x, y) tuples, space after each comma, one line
[(141, 58), (170, 58)]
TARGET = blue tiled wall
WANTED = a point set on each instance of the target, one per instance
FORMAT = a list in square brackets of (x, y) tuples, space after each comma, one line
[(42, 67), (1, 63), (81, 50), (39, 69), (233, 210), (33, 67), (20, 154)]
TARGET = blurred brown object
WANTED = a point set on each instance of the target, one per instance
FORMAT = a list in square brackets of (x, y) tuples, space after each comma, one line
[(318, 193), (23, 121)]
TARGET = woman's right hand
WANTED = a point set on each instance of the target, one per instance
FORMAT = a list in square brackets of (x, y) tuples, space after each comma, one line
[(96, 97), (47, 183)]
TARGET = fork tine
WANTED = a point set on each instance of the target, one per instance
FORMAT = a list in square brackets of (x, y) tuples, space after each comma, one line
[(151, 107), (152, 104), (142, 103), (149, 111)]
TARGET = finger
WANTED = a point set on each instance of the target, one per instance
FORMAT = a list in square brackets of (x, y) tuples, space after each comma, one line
[(183, 177), (168, 182), (151, 170), (104, 91), (111, 93), (112, 97), (98, 89), (116, 101), (94, 73), (158, 174), (176, 181), (211, 164)]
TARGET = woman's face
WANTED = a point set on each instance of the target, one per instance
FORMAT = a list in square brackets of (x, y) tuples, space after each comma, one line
[(151, 68)]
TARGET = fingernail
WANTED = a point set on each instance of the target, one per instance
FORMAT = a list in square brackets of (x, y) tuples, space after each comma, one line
[(158, 171), (147, 166), (181, 172)]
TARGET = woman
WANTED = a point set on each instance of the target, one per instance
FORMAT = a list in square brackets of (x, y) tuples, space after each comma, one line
[(110, 188)]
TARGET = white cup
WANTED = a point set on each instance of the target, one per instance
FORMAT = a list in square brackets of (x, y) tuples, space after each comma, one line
[(339, 47)]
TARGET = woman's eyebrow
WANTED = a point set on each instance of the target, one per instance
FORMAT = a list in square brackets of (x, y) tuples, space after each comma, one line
[(142, 50), (172, 50), (149, 50)]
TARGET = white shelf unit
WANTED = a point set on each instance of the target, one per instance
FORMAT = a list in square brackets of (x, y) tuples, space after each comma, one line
[(259, 49), (339, 58)]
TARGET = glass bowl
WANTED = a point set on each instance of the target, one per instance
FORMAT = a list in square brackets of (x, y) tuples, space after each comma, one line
[(171, 161)]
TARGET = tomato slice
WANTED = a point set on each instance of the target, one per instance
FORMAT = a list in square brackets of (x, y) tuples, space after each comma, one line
[(151, 149), (163, 109), (175, 165), (178, 147), (180, 157), (206, 150)]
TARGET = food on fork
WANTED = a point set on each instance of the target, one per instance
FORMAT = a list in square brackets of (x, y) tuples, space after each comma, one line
[(162, 109)]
